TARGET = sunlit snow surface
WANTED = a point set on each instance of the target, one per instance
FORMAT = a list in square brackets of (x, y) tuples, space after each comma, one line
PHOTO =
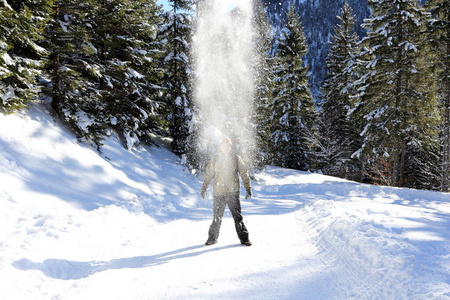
[(131, 225)]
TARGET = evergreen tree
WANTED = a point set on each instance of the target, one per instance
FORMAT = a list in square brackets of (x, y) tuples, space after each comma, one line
[(293, 114), (439, 39), (22, 25), (176, 32), (128, 59), (339, 133), (104, 68), (263, 72), (397, 106), (74, 67)]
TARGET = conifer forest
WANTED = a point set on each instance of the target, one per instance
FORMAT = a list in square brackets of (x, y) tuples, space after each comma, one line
[(354, 89)]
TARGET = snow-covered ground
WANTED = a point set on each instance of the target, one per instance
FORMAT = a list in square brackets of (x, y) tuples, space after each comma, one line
[(131, 225)]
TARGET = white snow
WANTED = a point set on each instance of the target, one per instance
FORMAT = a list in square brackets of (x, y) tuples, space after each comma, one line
[(7, 59), (64, 69), (134, 73), (94, 49), (9, 93), (63, 25), (131, 225), (5, 4), (108, 81), (113, 121), (37, 47)]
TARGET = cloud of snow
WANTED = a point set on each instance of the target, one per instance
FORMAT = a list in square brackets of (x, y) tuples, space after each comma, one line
[(223, 56)]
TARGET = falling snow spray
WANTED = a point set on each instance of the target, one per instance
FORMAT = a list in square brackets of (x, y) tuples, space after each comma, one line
[(224, 60)]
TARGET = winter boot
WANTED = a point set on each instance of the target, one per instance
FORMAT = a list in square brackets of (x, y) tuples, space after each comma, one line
[(210, 242)]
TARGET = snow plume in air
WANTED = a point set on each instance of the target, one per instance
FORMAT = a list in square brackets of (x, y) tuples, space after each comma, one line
[(224, 66)]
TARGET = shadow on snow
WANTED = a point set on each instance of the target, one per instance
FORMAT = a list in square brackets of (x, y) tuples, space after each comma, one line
[(73, 270)]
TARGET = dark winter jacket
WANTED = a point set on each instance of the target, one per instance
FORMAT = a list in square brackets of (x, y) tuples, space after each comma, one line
[(224, 169)]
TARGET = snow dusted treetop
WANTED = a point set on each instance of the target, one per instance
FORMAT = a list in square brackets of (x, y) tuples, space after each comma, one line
[(180, 5)]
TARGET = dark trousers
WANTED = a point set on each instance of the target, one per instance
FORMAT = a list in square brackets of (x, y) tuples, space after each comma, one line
[(232, 200)]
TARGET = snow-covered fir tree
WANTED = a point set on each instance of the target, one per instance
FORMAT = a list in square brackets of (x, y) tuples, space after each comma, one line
[(293, 115), (22, 24), (176, 33), (263, 82), (439, 40), (340, 137), (74, 68), (104, 68), (129, 76), (397, 106)]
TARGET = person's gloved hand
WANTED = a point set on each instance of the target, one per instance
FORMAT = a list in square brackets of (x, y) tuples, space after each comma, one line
[(248, 196), (203, 194)]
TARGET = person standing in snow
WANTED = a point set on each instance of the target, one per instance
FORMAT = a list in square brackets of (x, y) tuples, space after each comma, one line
[(224, 168)]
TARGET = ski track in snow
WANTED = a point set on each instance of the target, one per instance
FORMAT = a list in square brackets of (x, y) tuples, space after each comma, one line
[(131, 225)]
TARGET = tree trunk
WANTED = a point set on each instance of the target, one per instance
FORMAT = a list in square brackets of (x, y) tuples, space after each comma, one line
[(401, 172)]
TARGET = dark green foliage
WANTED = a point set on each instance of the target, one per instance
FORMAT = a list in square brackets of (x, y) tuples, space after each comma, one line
[(128, 59), (176, 32), (293, 115), (104, 68), (340, 135), (73, 67), (438, 37), (263, 82), (22, 26), (397, 106)]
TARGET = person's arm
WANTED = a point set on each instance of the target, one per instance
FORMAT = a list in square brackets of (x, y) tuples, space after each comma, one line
[(245, 176), (209, 174)]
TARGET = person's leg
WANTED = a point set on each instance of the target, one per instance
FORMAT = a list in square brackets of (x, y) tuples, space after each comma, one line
[(235, 207), (218, 210)]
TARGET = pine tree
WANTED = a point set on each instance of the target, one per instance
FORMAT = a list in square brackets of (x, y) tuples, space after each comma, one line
[(263, 72), (104, 68), (340, 135), (176, 32), (439, 39), (397, 106), (128, 59), (293, 114), (74, 68), (22, 25)]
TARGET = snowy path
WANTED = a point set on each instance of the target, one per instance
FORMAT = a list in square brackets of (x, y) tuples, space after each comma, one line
[(131, 225), (311, 253), (160, 260)]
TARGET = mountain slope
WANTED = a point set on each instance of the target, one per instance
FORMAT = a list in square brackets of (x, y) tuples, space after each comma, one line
[(131, 225)]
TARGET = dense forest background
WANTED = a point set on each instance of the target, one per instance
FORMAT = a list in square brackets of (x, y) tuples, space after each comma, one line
[(355, 89)]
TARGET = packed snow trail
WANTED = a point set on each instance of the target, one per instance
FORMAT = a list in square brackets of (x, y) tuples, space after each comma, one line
[(131, 225)]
